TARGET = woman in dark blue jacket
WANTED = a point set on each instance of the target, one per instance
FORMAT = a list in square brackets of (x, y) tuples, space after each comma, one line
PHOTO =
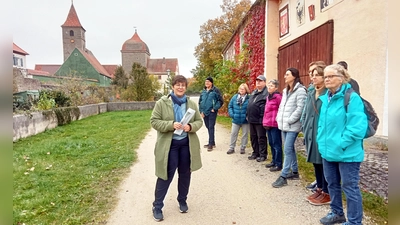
[(237, 111)]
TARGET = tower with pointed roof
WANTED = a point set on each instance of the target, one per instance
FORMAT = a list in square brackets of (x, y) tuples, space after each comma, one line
[(73, 34), (134, 50)]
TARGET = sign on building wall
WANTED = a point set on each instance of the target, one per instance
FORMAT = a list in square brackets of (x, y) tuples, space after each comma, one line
[(300, 12), (284, 21), (326, 4)]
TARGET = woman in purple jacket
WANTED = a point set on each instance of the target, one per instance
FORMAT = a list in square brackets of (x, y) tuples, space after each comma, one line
[(269, 122)]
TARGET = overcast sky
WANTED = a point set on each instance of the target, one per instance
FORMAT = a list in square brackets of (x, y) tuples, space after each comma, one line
[(170, 28)]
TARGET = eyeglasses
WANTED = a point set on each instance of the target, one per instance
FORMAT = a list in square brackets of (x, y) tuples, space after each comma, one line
[(332, 76), (180, 86), (316, 75)]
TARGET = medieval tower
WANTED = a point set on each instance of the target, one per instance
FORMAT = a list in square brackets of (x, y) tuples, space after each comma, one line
[(73, 34), (134, 50)]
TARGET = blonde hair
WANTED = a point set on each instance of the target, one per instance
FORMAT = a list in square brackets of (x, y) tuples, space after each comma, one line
[(244, 85), (340, 70)]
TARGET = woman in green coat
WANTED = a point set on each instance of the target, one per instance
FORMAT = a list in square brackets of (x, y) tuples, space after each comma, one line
[(309, 120), (175, 150)]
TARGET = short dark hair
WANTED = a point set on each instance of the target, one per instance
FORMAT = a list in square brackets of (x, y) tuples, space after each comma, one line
[(343, 63), (179, 79)]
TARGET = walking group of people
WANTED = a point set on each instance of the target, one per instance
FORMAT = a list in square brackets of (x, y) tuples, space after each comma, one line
[(333, 134)]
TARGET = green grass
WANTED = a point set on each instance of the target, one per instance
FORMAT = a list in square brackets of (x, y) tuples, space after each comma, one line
[(70, 174), (373, 205), (225, 121)]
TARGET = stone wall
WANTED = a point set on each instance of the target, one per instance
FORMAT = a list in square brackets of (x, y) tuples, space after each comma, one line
[(21, 83), (26, 125)]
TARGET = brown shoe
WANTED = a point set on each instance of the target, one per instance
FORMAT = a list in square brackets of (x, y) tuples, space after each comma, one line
[(206, 146), (322, 199), (315, 194), (209, 148)]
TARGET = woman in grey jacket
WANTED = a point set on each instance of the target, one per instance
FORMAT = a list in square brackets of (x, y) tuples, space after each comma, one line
[(288, 119)]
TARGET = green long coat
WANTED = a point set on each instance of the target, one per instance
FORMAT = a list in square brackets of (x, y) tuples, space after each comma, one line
[(309, 120), (162, 120)]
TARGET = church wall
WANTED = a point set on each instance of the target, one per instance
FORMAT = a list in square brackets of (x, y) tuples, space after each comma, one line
[(77, 65), (72, 42)]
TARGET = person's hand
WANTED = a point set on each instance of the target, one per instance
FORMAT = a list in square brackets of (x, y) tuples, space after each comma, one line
[(186, 128), (202, 115), (212, 110), (177, 126)]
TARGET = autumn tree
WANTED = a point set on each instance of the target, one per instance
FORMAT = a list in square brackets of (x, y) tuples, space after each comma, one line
[(142, 84), (120, 78), (215, 34)]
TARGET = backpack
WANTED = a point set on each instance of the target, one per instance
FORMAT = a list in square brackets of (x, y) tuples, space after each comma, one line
[(373, 120)]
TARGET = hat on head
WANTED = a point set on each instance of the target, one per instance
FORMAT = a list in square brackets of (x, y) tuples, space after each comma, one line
[(210, 79), (261, 77)]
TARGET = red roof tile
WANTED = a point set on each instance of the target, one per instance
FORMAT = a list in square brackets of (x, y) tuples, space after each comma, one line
[(94, 62), (135, 44), (160, 66), (38, 72), (110, 69), (19, 50), (51, 69), (72, 19)]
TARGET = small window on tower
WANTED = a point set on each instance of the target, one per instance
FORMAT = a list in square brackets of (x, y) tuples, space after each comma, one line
[(71, 33)]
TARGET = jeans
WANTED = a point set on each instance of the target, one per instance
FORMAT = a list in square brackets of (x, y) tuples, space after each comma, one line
[(344, 176), (178, 157), (258, 138), (290, 159), (210, 124), (320, 177), (235, 132), (275, 142)]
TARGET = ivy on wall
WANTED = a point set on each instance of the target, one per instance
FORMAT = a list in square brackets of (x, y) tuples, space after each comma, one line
[(254, 37)]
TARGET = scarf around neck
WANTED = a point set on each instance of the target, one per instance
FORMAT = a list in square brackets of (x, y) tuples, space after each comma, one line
[(177, 106)]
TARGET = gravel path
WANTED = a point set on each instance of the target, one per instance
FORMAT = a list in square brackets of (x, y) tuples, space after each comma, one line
[(228, 189)]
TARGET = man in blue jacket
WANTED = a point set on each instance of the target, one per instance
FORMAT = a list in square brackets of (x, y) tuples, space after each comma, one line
[(209, 103)]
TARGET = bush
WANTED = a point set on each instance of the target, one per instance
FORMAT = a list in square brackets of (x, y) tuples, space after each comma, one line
[(45, 102)]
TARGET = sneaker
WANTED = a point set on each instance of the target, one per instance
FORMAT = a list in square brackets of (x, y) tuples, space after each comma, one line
[(332, 218), (157, 214), (312, 185), (206, 146), (183, 207), (275, 169), (293, 176), (280, 182), (261, 159), (242, 150), (322, 199), (315, 195), (252, 157), (230, 151), (314, 189), (269, 165)]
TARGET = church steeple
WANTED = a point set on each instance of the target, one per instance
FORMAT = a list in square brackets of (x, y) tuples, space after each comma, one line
[(72, 19), (73, 33)]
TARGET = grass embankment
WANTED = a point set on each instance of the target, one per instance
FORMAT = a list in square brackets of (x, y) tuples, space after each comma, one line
[(374, 206), (70, 174)]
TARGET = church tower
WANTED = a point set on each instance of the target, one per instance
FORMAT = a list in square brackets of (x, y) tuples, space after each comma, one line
[(134, 50), (73, 34)]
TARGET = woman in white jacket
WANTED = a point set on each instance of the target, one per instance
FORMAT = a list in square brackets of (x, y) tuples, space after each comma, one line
[(288, 119)]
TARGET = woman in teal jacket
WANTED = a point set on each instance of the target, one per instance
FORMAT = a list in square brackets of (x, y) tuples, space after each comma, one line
[(340, 141)]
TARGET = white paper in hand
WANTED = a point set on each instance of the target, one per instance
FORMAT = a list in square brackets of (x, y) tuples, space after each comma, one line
[(185, 120)]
